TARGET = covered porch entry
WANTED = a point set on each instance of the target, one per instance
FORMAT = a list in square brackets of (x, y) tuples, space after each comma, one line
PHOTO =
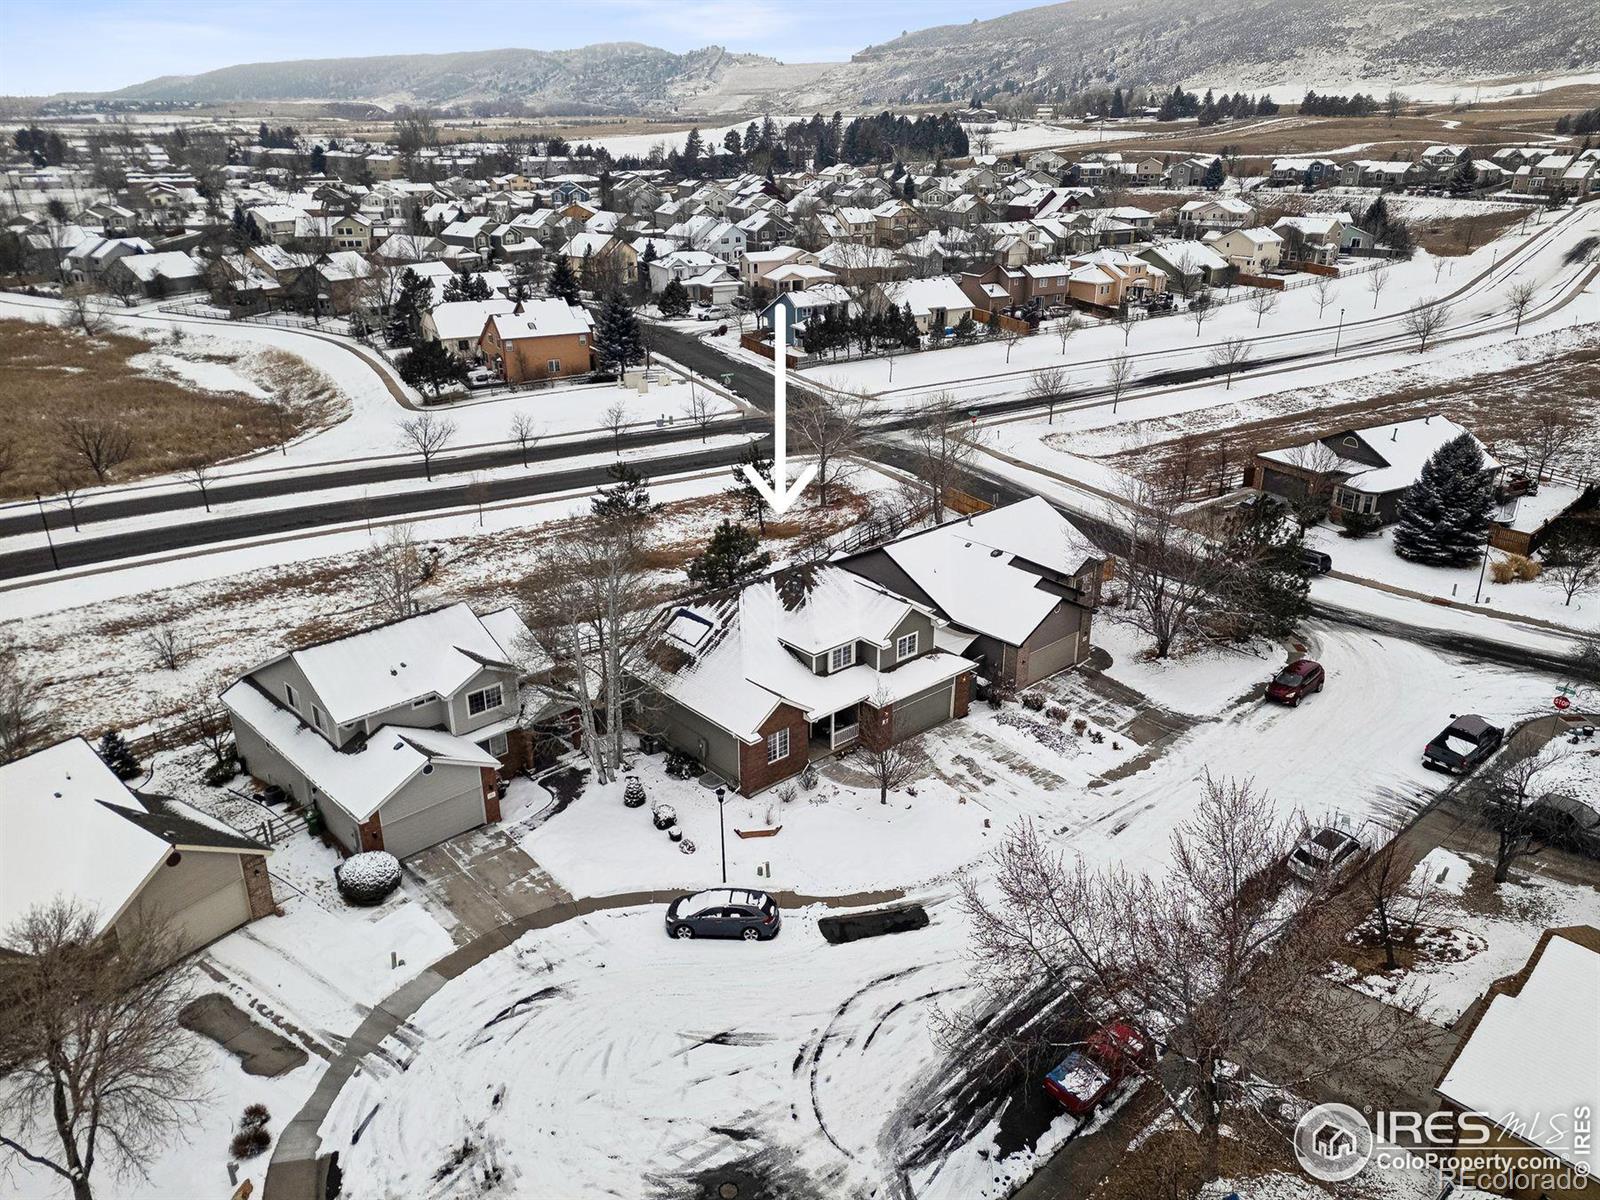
[(836, 730)]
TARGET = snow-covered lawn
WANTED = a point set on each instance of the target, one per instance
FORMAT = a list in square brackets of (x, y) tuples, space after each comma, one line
[(1373, 558), (1484, 930)]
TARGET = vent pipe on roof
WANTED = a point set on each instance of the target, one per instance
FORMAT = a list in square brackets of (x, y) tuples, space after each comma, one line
[(1394, 434)]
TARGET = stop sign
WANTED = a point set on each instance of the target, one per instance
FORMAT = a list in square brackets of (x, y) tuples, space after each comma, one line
[(1563, 703)]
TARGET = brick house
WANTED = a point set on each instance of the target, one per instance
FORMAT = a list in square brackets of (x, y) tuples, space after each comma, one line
[(397, 735), (758, 681), (540, 339), (72, 829)]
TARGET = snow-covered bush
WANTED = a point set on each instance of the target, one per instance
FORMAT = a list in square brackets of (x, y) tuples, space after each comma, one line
[(369, 877), (633, 794), (665, 816), (686, 846), (1033, 701), (809, 778)]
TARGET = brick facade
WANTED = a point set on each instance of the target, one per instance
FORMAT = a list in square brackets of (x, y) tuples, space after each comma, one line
[(519, 752), (258, 885), (963, 700), (755, 772), (371, 833)]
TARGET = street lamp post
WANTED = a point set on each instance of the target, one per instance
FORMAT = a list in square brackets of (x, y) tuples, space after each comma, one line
[(1477, 597), (1338, 334), (722, 832), (55, 563)]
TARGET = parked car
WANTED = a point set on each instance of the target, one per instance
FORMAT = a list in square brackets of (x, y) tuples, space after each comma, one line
[(1296, 681), (1325, 855), (1464, 744), (1083, 1078), (481, 377), (1315, 561), (724, 912)]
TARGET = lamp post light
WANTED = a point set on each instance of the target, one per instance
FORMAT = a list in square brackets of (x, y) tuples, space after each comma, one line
[(1338, 334), (1483, 567), (722, 831)]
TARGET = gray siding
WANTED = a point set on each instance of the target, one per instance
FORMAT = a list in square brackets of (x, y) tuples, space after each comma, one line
[(201, 898), (462, 723), (273, 676), (424, 790), (917, 623), (716, 748)]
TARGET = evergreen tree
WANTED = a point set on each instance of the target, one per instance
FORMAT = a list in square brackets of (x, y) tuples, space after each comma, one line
[(428, 366), (1214, 175), (115, 754), (1119, 106), (731, 557), (752, 504), (1444, 515), (413, 299), (909, 190), (466, 287), (626, 501), (618, 340), (910, 336), (674, 299), (563, 284), (693, 145), (649, 256), (1268, 591), (1464, 176), (319, 160)]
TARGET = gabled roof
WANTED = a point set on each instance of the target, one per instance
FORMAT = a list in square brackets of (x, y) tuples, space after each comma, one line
[(69, 827), (431, 654)]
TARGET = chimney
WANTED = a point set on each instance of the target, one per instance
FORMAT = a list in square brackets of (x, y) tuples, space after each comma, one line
[(516, 309)]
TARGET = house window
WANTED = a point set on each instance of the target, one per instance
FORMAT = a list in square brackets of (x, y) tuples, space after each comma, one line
[(778, 746), (316, 717), (495, 745), (288, 694), (905, 646), (482, 700), (841, 657), (421, 700), (553, 366)]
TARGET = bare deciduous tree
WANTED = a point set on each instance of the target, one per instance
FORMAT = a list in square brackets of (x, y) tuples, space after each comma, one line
[(1572, 563), (91, 1049), (393, 569), (206, 721), (1199, 310), (1119, 374), (1065, 328), (85, 310), (1424, 320), (168, 644), (1047, 386), (889, 763), (525, 432), (1544, 433), (1519, 298), (1323, 289), (67, 480), (614, 418), (1510, 796), (1398, 907), (1011, 337), (1376, 281), (26, 723), (1167, 570), (1261, 302), (941, 452), (1229, 357), (1213, 947), (829, 427), (200, 473), (102, 444), (427, 434), (1126, 319), (698, 409)]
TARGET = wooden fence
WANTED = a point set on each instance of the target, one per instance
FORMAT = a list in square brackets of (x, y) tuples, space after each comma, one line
[(759, 344), (1007, 324)]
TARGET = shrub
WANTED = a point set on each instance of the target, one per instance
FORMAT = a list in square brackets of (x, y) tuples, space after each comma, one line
[(1528, 569), (1033, 701), (1080, 726), (1000, 694), (248, 1143), (254, 1114), (682, 766), (1056, 712), (1501, 570), (809, 777), (218, 774), (368, 878), (1359, 525), (664, 816), (633, 794), (787, 793)]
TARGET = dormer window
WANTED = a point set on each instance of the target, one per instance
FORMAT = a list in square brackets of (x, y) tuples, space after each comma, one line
[(841, 657), (905, 646)]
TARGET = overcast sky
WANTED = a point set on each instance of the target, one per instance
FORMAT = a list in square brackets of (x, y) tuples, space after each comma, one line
[(100, 45)]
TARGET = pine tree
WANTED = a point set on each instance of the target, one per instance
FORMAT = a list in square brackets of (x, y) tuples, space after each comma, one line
[(1444, 515), (428, 366), (692, 147), (1214, 175), (625, 503), (618, 340), (909, 335), (563, 284), (744, 493), (114, 752), (730, 558), (413, 299), (674, 299)]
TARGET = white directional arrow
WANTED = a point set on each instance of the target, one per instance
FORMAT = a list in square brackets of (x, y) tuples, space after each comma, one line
[(780, 493)]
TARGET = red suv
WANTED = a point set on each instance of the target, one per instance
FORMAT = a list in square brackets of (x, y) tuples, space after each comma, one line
[(1296, 681), (1082, 1079)]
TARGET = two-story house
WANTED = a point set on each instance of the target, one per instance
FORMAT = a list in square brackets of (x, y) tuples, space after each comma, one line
[(1016, 587), (396, 735), (758, 681)]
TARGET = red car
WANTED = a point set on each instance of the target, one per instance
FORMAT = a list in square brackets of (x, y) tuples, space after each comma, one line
[(1296, 681), (1083, 1078)]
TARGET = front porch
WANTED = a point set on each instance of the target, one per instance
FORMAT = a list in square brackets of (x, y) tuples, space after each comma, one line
[(834, 732)]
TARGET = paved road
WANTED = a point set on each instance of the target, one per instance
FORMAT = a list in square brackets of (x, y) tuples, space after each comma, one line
[(338, 511)]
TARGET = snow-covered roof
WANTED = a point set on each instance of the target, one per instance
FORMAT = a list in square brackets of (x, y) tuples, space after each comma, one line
[(69, 827), (925, 295), (540, 318), (360, 781), (737, 670), (975, 569), (168, 264), (1406, 446), (431, 654), (1190, 255), (460, 320), (1533, 1055)]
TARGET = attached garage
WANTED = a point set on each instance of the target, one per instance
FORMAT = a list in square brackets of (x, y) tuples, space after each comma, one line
[(406, 835), (922, 712), (200, 895), (1048, 659)]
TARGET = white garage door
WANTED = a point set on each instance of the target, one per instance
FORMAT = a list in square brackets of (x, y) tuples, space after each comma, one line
[(1048, 659), (202, 896), (408, 834)]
